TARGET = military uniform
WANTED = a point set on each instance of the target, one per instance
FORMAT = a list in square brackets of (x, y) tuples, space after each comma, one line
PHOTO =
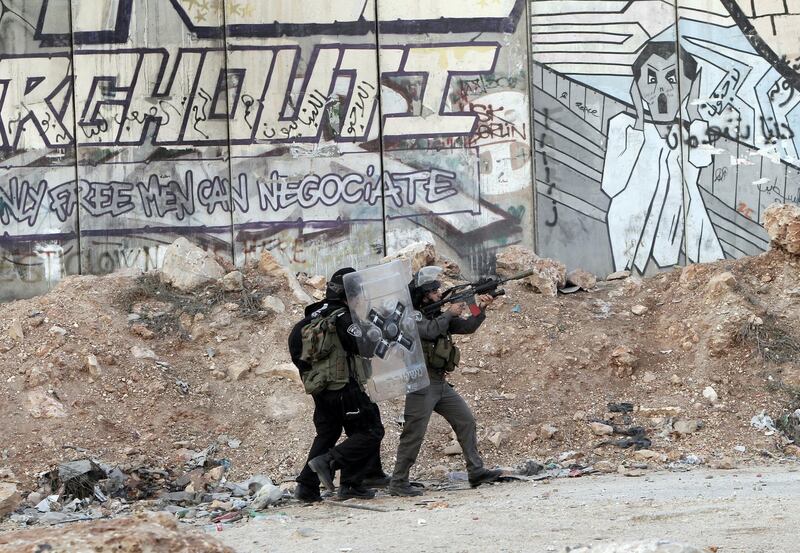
[(340, 403), (441, 357)]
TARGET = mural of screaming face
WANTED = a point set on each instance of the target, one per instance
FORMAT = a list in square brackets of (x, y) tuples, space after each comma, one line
[(652, 190), (655, 74)]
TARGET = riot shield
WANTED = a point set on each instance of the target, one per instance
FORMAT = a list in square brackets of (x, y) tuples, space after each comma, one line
[(385, 327)]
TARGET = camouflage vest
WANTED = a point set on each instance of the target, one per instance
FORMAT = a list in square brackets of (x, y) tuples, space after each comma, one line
[(330, 363), (442, 354)]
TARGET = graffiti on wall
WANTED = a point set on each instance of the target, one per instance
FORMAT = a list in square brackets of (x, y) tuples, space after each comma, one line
[(663, 142), (324, 133)]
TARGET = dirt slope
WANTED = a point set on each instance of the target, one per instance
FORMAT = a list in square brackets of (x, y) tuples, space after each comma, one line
[(71, 384)]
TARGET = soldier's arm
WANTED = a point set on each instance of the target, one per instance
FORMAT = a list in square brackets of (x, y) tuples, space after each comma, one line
[(349, 342), (467, 326), (430, 329)]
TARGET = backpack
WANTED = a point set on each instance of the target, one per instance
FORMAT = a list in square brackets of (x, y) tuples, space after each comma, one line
[(318, 353), (319, 337)]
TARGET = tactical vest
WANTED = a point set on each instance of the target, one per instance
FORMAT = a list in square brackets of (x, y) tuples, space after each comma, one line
[(330, 364), (441, 355)]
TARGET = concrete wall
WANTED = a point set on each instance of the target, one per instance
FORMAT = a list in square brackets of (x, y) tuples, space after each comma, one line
[(326, 132), (332, 133), (678, 165)]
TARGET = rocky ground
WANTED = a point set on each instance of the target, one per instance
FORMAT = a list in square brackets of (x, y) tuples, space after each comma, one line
[(189, 391)]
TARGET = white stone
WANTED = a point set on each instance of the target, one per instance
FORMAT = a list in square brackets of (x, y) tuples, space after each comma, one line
[(186, 266), (93, 365), (55, 329), (273, 304), (142, 353), (43, 406), (710, 394), (600, 429)]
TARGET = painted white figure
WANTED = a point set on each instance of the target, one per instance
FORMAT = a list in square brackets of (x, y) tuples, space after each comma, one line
[(651, 190)]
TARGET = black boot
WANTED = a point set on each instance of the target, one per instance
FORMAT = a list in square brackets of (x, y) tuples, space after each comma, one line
[(404, 490), (347, 491), (306, 493), (376, 481), (322, 466), (485, 477)]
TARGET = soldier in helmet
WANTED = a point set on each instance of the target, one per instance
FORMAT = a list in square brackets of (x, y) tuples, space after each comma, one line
[(441, 357), (325, 350)]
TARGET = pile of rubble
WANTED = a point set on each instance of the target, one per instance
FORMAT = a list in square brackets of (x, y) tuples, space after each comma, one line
[(88, 489), (697, 365)]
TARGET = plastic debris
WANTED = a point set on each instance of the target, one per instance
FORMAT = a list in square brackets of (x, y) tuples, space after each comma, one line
[(763, 422)]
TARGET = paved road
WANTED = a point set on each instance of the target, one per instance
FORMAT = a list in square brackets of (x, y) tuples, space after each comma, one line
[(749, 510)]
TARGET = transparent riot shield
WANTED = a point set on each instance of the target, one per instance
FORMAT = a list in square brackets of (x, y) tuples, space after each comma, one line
[(386, 330)]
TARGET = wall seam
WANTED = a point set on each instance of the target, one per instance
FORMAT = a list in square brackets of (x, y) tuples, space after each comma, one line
[(75, 138), (684, 158), (531, 115), (228, 126), (379, 100)]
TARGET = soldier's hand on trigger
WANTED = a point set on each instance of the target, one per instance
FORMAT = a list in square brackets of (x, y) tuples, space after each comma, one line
[(485, 300), (456, 309)]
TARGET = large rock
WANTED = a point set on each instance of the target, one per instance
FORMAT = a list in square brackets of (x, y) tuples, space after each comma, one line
[(420, 254), (273, 304), (42, 406), (584, 279), (269, 266), (9, 499), (514, 259), (548, 274), (233, 281), (146, 533), (720, 284), (651, 546), (186, 266), (782, 222)]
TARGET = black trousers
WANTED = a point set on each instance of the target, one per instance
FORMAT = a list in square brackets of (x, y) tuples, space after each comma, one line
[(358, 456)]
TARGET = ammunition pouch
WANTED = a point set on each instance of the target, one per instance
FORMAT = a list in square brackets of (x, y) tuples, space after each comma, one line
[(441, 354)]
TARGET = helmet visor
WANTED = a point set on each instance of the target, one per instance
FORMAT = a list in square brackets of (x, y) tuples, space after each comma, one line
[(428, 278)]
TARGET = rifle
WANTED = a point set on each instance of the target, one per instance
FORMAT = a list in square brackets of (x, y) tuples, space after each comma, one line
[(466, 293)]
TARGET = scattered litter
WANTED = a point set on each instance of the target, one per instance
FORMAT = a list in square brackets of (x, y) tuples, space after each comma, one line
[(183, 386), (516, 309), (530, 468), (763, 422), (620, 407)]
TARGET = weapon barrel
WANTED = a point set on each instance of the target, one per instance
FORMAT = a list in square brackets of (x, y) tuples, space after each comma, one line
[(520, 275)]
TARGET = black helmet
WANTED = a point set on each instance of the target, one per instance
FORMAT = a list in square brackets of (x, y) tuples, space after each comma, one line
[(335, 287)]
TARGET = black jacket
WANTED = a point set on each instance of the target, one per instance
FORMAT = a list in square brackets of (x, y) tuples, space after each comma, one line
[(314, 311)]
